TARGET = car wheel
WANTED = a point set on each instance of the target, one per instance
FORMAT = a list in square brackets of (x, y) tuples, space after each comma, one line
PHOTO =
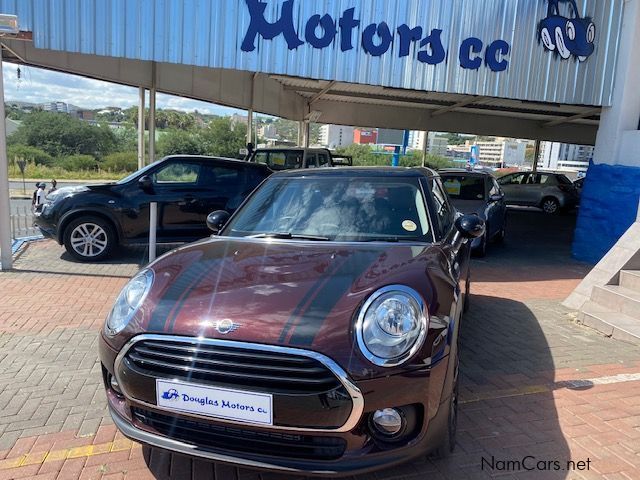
[(560, 43), (89, 238), (550, 205), (449, 441), (502, 233), (481, 251)]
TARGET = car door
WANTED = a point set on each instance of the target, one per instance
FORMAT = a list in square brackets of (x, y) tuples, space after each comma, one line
[(221, 187), (512, 187), (497, 208), (175, 189)]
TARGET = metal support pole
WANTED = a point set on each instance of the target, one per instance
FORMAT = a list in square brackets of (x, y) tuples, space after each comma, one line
[(300, 133), (153, 227), (425, 147), (250, 127), (306, 132), (152, 124), (141, 126), (5, 206), (536, 156), (395, 161)]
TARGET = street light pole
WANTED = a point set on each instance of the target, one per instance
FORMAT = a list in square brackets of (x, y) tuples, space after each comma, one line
[(5, 209)]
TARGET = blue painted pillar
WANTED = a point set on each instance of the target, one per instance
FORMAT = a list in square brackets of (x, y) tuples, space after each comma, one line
[(395, 161)]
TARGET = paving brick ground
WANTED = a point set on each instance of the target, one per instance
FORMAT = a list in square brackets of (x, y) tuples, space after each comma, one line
[(535, 383)]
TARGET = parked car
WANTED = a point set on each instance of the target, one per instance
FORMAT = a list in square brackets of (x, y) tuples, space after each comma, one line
[(474, 192), (547, 190), (579, 184), (91, 221), (291, 158), (317, 333)]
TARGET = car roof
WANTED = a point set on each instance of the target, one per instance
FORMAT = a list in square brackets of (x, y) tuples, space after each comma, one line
[(362, 172), (280, 149), (460, 171), (233, 161)]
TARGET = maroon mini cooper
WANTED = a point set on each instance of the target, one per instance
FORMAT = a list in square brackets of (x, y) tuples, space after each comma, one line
[(317, 333)]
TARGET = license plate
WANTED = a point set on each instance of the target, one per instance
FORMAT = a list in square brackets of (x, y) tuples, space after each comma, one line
[(224, 403)]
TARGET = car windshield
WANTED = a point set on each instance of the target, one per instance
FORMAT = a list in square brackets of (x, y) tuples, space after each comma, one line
[(464, 187), (335, 208), (280, 160)]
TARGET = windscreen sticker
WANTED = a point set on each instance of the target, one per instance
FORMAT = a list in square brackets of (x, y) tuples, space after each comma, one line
[(452, 187), (409, 226)]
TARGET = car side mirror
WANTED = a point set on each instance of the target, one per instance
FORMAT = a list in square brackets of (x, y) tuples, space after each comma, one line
[(470, 226), (496, 197), (217, 220), (146, 183)]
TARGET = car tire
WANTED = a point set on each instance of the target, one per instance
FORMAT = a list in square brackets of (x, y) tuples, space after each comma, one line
[(481, 251), (499, 239), (165, 465), (561, 45), (448, 443), (550, 205), (90, 238)]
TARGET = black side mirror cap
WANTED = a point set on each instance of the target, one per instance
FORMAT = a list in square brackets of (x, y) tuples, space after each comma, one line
[(146, 183), (217, 220), (470, 226)]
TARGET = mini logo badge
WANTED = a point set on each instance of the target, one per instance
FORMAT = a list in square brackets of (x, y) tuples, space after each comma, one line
[(171, 394), (226, 326), (567, 36)]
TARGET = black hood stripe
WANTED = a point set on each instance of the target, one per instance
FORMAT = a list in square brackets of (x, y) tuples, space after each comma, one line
[(329, 295)]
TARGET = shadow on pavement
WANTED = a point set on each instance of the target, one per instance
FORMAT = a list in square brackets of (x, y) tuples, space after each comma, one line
[(537, 247)]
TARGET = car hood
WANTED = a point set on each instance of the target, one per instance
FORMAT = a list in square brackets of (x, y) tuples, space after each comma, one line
[(471, 206), (296, 294)]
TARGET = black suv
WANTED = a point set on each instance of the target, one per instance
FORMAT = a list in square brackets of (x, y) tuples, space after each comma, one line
[(92, 220)]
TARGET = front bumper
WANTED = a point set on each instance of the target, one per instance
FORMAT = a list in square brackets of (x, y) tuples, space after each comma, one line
[(362, 452), (44, 220)]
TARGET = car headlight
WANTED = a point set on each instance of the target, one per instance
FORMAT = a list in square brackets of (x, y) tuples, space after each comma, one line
[(128, 302), (392, 325)]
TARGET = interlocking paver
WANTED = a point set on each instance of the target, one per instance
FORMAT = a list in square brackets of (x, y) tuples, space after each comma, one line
[(520, 352)]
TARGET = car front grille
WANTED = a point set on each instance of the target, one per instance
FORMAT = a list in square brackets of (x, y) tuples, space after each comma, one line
[(238, 440), (231, 365)]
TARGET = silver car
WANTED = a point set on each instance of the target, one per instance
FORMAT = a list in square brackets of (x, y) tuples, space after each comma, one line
[(474, 192), (549, 191)]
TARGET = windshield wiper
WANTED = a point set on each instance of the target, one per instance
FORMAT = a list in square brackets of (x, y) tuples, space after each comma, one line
[(291, 236)]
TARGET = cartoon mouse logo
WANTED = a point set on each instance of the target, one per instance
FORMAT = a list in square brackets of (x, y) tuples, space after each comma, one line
[(567, 36)]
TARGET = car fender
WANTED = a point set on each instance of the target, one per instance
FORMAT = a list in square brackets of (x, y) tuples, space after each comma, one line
[(79, 212)]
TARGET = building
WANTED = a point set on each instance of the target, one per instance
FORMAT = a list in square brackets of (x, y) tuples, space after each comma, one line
[(436, 145), (268, 131), (364, 136), (335, 136), (563, 156), (502, 152), (59, 107), (236, 118)]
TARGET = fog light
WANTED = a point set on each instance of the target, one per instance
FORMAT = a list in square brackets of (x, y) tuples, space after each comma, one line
[(115, 386), (388, 422)]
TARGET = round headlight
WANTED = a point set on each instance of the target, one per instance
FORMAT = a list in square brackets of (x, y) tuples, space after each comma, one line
[(392, 325), (128, 302)]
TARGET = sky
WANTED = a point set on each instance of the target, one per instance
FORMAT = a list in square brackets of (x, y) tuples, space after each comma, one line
[(37, 85)]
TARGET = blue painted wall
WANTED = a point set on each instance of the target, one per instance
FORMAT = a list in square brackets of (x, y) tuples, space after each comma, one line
[(608, 208)]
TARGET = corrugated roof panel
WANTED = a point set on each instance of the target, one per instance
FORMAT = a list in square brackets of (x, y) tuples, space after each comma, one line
[(210, 33)]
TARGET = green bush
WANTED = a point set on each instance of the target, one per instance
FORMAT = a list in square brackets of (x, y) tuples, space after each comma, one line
[(78, 162), (30, 154), (122, 162)]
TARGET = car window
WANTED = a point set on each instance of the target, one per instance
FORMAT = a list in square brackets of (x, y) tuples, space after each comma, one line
[(338, 208), (284, 160), (444, 211), (312, 161), (515, 179), (261, 157), (255, 177), (220, 176), (177, 173), (323, 160), (544, 179), (562, 180), (464, 187)]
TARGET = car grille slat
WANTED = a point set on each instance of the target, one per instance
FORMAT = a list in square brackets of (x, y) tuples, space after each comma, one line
[(231, 366), (240, 440)]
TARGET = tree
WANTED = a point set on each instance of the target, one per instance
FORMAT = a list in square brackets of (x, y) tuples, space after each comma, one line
[(223, 138), (174, 142), (62, 135)]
